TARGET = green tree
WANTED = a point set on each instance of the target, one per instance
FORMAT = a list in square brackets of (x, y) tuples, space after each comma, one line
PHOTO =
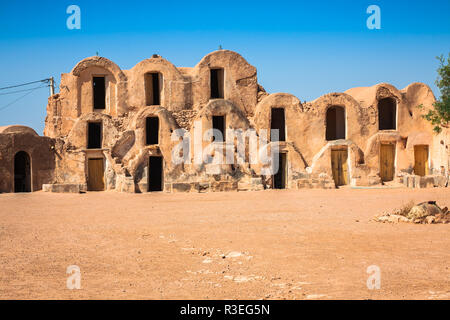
[(439, 116)]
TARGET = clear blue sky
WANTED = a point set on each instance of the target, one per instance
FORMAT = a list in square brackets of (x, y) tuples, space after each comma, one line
[(307, 48)]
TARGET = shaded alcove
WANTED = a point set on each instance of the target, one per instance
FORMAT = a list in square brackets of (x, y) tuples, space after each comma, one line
[(387, 111), (152, 130), (22, 172), (335, 123), (155, 174), (94, 135), (278, 122), (217, 83), (279, 178), (218, 123), (99, 88), (153, 88)]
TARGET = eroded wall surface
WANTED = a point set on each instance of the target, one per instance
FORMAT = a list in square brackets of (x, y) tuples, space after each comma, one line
[(185, 103), (38, 150)]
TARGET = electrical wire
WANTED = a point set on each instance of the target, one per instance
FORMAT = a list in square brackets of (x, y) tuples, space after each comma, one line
[(21, 97), (18, 91), (24, 84)]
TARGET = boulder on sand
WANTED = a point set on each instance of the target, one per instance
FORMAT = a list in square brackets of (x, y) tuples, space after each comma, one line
[(424, 209)]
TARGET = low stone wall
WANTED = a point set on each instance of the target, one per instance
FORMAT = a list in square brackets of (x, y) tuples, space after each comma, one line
[(315, 183), (413, 181), (64, 188)]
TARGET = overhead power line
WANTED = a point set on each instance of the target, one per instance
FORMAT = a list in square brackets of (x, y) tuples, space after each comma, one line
[(21, 97), (25, 84), (18, 91)]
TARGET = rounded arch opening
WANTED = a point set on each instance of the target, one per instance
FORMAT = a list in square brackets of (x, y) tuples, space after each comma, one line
[(387, 114), (22, 172), (335, 123), (153, 86)]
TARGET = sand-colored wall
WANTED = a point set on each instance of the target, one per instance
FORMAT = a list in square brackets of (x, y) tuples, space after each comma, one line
[(40, 150), (185, 103)]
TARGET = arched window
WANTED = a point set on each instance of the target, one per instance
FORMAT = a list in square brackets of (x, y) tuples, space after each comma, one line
[(153, 88), (278, 122), (217, 83), (387, 114), (151, 130), (22, 172), (335, 123)]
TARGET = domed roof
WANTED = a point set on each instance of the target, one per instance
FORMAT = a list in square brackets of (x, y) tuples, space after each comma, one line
[(15, 128)]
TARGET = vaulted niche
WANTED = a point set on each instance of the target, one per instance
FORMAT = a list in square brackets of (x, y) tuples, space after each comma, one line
[(99, 92), (155, 174), (278, 122), (94, 135), (153, 88), (217, 83), (387, 114), (335, 123), (152, 130), (218, 123), (22, 172)]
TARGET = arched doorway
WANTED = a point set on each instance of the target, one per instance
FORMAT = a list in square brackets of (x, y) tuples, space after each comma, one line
[(22, 172), (335, 126), (387, 114), (155, 175)]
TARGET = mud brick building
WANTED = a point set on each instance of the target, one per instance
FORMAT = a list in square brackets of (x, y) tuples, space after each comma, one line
[(112, 129)]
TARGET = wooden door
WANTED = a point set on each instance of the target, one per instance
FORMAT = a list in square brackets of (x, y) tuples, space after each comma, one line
[(96, 180), (387, 159), (421, 160), (339, 167)]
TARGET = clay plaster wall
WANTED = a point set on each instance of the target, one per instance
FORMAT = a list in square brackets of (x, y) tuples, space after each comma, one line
[(185, 103), (14, 139)]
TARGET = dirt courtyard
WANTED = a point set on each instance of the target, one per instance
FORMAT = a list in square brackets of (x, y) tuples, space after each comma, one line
[(287, 244)]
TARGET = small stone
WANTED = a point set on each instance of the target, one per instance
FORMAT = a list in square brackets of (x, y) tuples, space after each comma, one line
[(234, 254), (430, 219)]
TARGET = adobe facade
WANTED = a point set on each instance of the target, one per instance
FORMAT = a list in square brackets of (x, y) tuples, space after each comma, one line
[(113, 129)]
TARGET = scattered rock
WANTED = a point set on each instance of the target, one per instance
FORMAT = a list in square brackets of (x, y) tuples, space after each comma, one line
[(397, 218), (430, 219), (425, 212), (424, 209), (233, 254)]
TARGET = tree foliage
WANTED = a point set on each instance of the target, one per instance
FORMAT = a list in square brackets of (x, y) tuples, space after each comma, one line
[(439, 116)]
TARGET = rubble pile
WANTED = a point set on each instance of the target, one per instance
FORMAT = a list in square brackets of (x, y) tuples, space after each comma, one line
[(425, 212)]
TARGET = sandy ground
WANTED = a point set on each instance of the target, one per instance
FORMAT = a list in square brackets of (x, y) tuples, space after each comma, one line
[(306, 244)]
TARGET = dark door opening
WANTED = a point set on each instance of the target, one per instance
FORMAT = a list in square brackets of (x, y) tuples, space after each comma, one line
[(218, 123), (94, 135), (217, 82), (387, 110), (152, 130), (22, 172), (153, 89), (155, 174), (279, 178), (278, 122), (335, 123), (98, 85)]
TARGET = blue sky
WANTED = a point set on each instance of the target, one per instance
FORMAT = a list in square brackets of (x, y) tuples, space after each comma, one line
[(307, 48)]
